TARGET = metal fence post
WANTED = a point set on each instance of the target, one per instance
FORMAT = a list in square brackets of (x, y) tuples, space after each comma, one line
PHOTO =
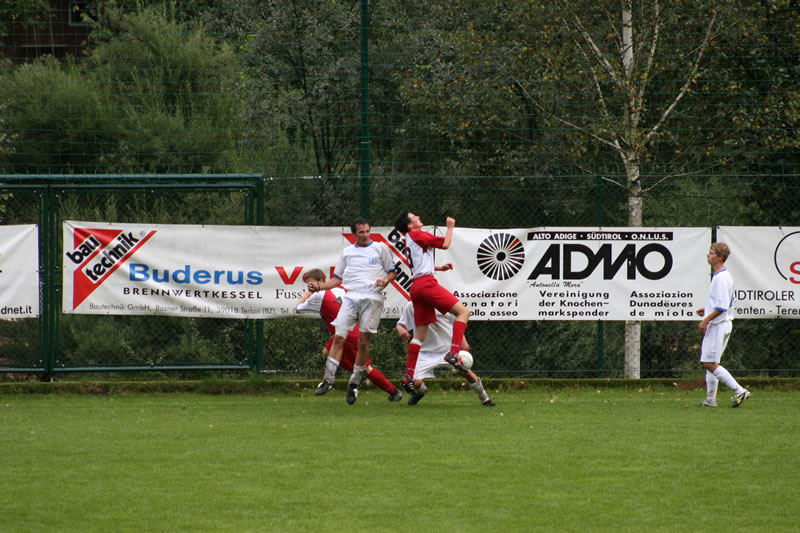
[(364, 161), (259, 333), (600, 339)]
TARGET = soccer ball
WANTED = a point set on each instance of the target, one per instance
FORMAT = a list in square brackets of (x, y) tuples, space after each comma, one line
[(466, 359)]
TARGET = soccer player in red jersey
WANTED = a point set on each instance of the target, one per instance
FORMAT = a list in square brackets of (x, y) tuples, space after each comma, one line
[(426, 293), (327, 303)]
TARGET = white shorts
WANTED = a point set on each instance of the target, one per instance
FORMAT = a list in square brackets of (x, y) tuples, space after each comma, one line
[(714, 341), (427, 362), (364, 311)]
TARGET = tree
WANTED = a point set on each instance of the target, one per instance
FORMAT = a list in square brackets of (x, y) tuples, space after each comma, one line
[(154, 95), (621, 57)]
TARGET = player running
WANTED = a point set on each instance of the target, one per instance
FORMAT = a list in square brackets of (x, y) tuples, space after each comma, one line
[(426, 293)]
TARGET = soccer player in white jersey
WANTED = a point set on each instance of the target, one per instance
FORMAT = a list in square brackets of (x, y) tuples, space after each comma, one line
[(327, 304), (365, 268), (430, 356), (716, 326), (426, 293)]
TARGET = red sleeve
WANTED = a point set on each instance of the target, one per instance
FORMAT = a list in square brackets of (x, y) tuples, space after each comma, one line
[(423, 238)]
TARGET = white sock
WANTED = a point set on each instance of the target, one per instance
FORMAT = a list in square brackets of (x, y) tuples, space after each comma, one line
[(725, 377), (478, 387), (711, 386), (358, 374), (331, 365)]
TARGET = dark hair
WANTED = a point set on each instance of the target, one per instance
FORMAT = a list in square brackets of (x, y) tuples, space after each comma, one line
[(359, 222), (401, 222)]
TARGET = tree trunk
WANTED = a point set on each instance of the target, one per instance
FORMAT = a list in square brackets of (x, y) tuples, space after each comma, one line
[(633, 328)]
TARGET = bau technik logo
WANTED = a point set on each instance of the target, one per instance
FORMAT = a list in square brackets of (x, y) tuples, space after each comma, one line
[(97, 253)]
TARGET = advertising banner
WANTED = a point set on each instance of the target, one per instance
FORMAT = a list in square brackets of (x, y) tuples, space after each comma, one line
[(256, 271), (19, 271), (765, 265), (203, 271), (579, 273)]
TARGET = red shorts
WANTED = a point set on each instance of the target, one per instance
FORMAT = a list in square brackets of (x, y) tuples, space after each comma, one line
[(349, 351), (427, 295)]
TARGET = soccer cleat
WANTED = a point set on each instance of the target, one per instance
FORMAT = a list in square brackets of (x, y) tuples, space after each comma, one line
[(352, 393), (739, 398), (408, 384), (417, 395), (488, 403), (323, 387), (455, 361), (708, 403), (397, 396)]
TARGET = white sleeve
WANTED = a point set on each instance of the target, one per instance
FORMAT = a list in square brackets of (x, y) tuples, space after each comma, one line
[(338, 271), (407, 317), (721, 291), (313, 304), (387, 258)]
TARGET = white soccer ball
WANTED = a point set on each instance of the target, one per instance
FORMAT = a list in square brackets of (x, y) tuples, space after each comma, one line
[(466, 359)]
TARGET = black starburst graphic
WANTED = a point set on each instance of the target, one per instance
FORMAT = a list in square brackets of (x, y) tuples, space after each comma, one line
[(500, 256)]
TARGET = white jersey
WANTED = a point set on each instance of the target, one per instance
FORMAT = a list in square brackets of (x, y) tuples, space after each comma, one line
[(359, 267), (721, 296), (440, 334), (314, 302), (419, 250)]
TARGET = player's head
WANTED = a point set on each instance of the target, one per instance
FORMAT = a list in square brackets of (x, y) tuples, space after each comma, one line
[(401, 222), (359, 222), (361, 228), (314, 274), (721, 250)]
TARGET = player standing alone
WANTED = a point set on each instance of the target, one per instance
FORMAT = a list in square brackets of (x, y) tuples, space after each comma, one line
[(426, 293), (716, 326)]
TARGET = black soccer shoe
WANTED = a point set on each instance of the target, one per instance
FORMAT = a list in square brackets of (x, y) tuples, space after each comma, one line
[(352, 393), (408, 384), (455, 362), (323, 387), (397, 396), (417, 395)]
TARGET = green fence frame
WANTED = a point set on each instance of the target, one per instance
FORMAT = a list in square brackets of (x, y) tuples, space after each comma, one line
[(51, 187)]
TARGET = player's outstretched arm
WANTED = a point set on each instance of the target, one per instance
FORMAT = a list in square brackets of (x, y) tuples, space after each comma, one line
[(448, 237)]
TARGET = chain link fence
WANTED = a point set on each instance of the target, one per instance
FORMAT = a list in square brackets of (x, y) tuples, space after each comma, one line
[(292, 346)]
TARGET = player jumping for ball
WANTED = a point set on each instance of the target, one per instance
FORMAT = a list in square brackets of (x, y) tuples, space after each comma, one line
[(426, 293)]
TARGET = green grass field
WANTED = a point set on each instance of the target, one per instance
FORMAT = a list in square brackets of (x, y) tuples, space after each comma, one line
[(567, 460)]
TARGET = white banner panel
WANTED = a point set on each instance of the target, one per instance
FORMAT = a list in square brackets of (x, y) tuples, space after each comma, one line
[(203, 271), (579, 273), (256, 271), (19, 271), (765, 265)]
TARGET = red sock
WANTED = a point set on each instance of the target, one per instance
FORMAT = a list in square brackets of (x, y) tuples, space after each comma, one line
[(413, 355), (458, 336), (377, 377)]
